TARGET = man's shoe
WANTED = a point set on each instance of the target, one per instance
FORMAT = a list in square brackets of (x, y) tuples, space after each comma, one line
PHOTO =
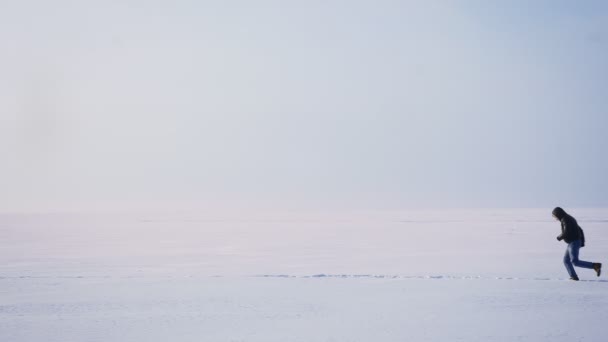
[(598, 268), (574, 278)]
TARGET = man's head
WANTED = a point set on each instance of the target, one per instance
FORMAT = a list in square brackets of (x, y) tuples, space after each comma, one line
[(558, 213)]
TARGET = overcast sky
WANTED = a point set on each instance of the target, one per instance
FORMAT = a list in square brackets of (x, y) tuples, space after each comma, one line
[(329, 104)]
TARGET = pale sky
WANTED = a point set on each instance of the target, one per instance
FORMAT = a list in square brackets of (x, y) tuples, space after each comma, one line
[(327, 104)]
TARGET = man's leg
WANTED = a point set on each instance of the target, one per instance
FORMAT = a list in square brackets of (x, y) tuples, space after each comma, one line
[(573, 248), (568, 264)]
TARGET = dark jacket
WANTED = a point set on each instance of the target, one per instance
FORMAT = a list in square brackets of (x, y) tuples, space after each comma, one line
[(571, 231)]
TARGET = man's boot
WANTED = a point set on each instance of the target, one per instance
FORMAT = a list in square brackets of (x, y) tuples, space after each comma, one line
[(574, 278), (598, 268)]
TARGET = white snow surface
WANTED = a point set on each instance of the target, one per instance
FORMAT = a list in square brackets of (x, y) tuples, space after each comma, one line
[(426, 275)]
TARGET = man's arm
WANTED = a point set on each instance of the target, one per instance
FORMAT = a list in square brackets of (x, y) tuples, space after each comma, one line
[(561, 236)]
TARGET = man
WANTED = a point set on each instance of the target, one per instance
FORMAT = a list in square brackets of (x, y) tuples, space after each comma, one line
[(573, 235)]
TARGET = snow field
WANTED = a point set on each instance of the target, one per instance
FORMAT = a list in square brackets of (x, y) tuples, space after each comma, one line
[(474, 275)]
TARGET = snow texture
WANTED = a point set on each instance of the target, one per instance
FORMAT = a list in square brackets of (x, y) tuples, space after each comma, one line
[(450, 275)]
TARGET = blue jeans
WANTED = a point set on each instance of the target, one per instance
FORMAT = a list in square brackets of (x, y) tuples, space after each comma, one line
[(571, 258)]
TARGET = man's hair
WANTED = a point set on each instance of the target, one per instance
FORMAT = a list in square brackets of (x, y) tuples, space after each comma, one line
[(559, 213)]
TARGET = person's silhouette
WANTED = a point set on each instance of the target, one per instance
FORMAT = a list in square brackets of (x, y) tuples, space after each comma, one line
[(573, 235)]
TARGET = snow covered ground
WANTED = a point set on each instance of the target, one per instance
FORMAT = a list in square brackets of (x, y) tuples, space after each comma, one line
[(449, 275)]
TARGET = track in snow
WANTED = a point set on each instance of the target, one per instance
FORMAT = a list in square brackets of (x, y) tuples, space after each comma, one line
[(314, 276), (438, 277)]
